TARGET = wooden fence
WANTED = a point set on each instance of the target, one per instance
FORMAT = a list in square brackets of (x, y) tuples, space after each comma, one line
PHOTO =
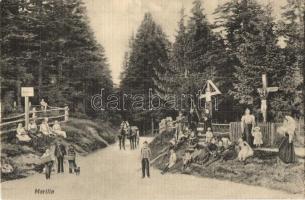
[(9, 124)]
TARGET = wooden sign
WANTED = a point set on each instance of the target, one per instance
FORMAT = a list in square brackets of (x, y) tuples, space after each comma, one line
[(27, 91)]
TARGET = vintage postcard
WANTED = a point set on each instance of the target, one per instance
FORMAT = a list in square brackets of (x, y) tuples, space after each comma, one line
[(152, 99)]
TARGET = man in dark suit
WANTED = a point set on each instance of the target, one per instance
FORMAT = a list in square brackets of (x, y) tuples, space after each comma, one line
[(60, 152)]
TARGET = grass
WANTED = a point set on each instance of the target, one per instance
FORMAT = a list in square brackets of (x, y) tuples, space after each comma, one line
[(263, 169), (86, 136)]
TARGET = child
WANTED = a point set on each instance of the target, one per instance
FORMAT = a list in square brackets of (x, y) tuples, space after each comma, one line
[(171, 162), (209, 135), (245, 150), (145, 159), (71, 158), (187, 158), (258, 137), (48, 163)]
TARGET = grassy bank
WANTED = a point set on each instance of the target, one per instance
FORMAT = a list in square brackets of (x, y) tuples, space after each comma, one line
[(263, 169), (86, 135)]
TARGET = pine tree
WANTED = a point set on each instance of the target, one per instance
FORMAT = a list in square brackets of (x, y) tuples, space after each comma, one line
[(252, 47), (148, 57), (291, 28)]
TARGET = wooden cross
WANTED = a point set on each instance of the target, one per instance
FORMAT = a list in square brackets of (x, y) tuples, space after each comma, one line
[(209, 93), (263, 92)]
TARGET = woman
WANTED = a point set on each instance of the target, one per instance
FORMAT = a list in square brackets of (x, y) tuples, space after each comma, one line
[(286, 148), (48, 163), (247, 125), (45, 128), (22, 135), (57, 129)]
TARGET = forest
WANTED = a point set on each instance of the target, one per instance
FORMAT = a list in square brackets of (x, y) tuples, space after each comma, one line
[(244, 42), (49, 44)]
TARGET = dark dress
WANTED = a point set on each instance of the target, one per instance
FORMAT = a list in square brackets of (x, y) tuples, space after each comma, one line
[(247, 135), (286, 150)]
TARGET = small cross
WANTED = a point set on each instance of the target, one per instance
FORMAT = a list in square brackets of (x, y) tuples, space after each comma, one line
[(263, 93)]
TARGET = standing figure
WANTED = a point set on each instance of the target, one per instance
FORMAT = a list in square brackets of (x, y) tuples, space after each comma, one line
[(209, 135), (60, 152), (207, 120), (131, 137), (179, 124), (47, 157), (258, 137), (193, 121), (145, 158), (71, 158), (123, 131), (286, 148), (43, 105), (247, 125)]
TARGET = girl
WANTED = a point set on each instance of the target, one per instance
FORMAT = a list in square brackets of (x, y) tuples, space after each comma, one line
[(71, 158), (258, 137)]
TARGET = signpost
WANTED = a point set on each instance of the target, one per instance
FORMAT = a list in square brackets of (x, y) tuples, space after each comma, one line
[(27, 92), (263, 92)]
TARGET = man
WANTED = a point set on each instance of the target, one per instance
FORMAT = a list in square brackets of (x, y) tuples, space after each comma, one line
[(60, 152), (124, 128), (145, 157)]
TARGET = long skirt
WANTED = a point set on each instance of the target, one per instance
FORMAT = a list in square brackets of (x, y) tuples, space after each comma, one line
[(247, 135), (286, 151)]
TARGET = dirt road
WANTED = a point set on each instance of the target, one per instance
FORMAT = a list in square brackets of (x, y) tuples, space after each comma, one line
[(114, 174)]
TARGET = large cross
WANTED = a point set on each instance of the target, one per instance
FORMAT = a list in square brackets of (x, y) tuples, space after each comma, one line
[(263, 92), (209, 93)]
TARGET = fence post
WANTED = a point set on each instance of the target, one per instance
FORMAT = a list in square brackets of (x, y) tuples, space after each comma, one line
[(66, 113), (272, 134)]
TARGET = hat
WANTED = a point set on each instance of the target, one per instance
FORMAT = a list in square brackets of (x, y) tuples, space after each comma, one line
[(257, 128), (209, 129)]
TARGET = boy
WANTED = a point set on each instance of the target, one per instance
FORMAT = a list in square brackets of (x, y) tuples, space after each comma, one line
[(145, 157)]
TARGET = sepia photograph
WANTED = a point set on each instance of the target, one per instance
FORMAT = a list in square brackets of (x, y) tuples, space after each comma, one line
[(152, 99)]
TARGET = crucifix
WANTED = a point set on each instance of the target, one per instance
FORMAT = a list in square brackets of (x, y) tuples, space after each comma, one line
[(263, 93), (208, 95)]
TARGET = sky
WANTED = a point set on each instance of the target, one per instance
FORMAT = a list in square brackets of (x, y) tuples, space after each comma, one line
[(114, 21)]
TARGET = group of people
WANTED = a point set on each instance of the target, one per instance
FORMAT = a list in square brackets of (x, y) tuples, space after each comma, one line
[(44, 129), (60, 153), (221, 148), (132, 133)]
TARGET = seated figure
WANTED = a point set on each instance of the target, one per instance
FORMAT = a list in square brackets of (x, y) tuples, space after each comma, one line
[(45, 128), (57, 129), (209, 135), (33, 127), (22, 135)]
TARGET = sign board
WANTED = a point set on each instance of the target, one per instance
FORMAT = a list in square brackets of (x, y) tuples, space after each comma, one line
[(27, 91)]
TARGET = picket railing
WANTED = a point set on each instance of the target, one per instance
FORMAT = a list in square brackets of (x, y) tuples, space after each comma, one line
[(9, 124)]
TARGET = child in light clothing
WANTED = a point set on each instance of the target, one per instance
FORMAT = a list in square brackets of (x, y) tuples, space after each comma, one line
[(258, 137), (209, 135)]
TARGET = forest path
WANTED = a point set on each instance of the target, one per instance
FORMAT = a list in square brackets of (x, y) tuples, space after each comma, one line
[(114, 174)]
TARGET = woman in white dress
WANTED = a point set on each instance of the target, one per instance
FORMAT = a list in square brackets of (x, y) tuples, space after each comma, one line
[(45, 128), (57, 129), (22, 135)]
